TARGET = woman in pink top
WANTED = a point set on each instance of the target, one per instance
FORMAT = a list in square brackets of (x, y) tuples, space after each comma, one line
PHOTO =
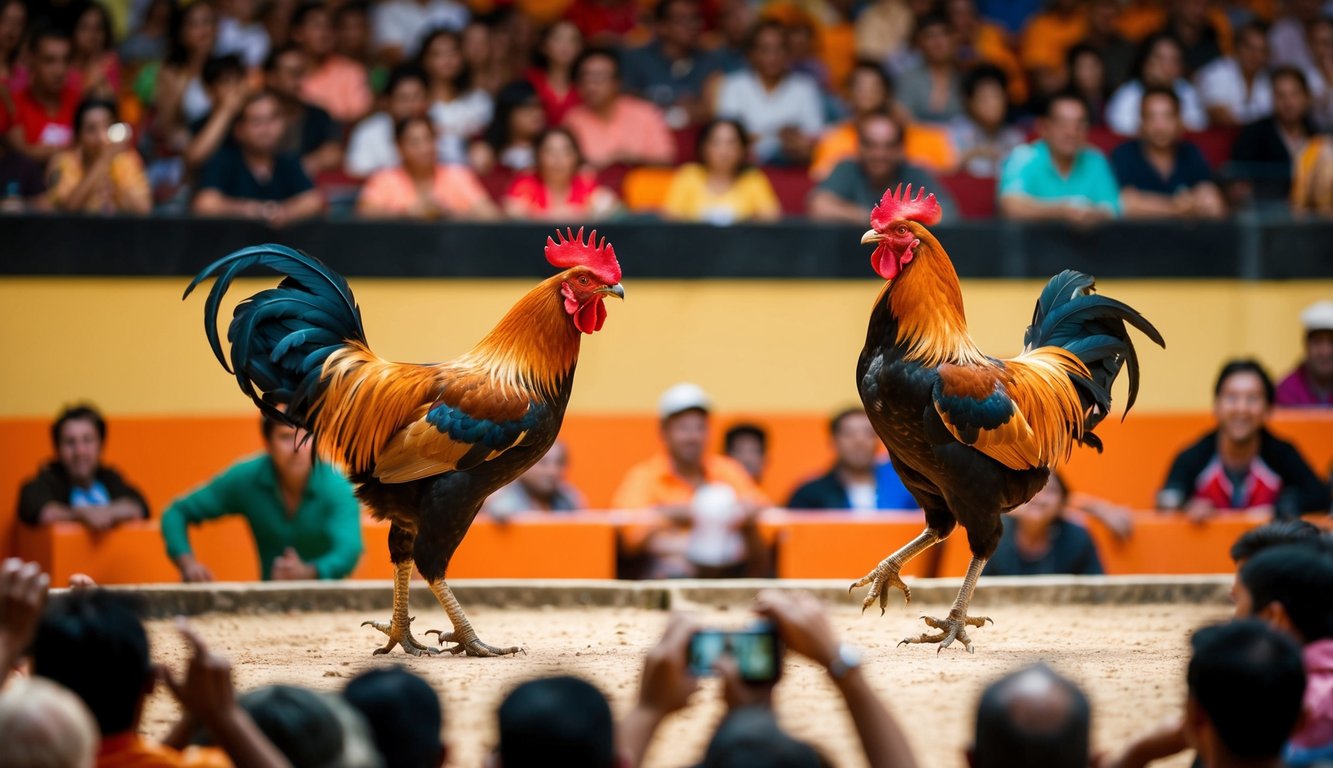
[(560, 189), (94, 68), (422, 188), (561, 44)]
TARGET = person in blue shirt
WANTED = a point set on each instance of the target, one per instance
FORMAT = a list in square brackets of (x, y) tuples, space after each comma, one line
[(1059, 177), (857, 480), (1161, 175)]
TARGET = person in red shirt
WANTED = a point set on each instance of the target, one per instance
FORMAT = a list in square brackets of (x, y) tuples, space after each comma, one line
[(42, 122)]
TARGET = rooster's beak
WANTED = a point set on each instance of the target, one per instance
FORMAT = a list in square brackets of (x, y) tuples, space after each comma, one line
[(616, 290), (871, 236)]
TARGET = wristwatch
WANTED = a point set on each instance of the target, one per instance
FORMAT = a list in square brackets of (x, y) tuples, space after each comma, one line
[(845, 660)]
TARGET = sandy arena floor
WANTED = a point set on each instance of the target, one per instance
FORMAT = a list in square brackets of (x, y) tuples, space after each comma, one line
[(1130, 659)]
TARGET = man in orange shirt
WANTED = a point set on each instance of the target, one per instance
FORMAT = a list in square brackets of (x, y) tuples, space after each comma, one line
[(706, 505), (614, 128), (335, 83)]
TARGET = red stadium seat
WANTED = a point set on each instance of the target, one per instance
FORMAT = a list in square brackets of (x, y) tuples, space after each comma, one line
[(1215, 144), (792, 186), (975, 196)]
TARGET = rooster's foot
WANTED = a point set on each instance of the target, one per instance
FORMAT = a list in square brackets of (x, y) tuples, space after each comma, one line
[(400, 634), (470, 644), (881, 580), (953, 627)]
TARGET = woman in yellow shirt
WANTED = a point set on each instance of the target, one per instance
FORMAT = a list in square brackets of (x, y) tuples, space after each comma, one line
[(102, 172), (723, 187)]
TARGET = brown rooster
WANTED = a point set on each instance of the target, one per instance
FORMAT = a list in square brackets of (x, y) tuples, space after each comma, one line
[(425, 444), (972, 436)]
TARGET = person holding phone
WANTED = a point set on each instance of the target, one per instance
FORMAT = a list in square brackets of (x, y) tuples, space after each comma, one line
[(102, 172)]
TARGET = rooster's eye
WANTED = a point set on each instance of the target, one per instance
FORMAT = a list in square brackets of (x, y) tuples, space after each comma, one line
[(583, 279), (902, 229)]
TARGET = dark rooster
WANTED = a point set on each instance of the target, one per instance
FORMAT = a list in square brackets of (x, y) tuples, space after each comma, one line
[(972, 436), (425, 444)]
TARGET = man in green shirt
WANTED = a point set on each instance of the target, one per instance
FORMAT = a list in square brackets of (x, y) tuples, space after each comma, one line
[(304, 516)]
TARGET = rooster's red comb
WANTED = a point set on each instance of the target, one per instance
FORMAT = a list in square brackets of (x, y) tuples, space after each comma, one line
[(567, 250), (898, 203)]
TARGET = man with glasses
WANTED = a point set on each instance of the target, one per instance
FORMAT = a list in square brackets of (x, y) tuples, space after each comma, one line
[(1059, 177)]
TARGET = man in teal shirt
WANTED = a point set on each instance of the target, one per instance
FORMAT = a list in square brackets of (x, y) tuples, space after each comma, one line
[(304, 516), (1059, 177)]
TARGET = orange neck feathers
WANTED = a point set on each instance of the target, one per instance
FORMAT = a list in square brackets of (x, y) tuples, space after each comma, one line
[(927, 302), (534, 344)]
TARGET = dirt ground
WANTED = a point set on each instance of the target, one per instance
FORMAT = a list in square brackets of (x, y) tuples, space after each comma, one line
[(1130, 659)]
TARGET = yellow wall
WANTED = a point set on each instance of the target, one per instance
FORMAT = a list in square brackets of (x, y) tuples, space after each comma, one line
[(134, 348)]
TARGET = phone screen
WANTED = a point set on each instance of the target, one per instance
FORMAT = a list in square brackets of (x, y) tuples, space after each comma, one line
[(756, 652)]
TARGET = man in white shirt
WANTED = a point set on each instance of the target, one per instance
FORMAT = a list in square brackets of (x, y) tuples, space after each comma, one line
[(1235, 89), (781, 109), (371, 146), (399, 26)]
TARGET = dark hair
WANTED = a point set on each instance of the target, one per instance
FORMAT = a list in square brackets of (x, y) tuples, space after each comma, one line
[(744, 429), (176, 52), (306, 10), (1165, 93), (1048, 107), (404, 73), (539, 59), (275, 55), (1146, 49), (108, 33), (752, 737), (298, 722), (462, 82), (1273, 534), (1278, 73), (93, 642), (762, 26), (835, 423), (18, 48), (865, 65), (556, 721), (983, 73), (509, 100), (547, 134), (403, 713), (347, 9), (42, 32), (593, 53), (928, 20), (218, 67), (1254, 26), (1012, 735), (1300, 577), (400, 127), (706, 132), (880, 114), (1083, 49), (1247, 365), (91, 103), (253, 99), (76, 412), (1249, 679), (664, 7)]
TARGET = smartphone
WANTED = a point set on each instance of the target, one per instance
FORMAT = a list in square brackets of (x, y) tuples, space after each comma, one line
[(757, 650)]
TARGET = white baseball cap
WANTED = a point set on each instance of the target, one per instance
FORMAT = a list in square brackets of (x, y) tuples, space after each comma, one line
[(682, 397), (1318, 317)]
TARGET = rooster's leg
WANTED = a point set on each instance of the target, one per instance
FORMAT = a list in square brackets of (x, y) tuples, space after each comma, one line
[(954, 626), (464, 635), (886, 573), (399, 628)]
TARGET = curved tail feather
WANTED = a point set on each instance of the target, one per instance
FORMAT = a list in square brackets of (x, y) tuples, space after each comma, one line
[(1069, 314), (280, 337)]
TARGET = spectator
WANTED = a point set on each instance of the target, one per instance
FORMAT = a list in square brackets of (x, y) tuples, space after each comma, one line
[(304, 518), (102, 173), (1032, 718), (421, 187), (981, 137), (42, 725), (1059, 176), (76, 486), (309, 132), (403, 713), (253, 179), (1103, 36), (1264, 153), (781, 109), (458, 110), (1087, 77), (22, 182), (747, 445), (1245, 688), (556, 721), (1190, 24), (147, 41), (750, 735), (41, 120), (1311, 384), (1320, 73), (175, 88), (932, 90), (13, 22), (335, 83), (1038, 540), (558, 188), (1290, 587), (93, 643), (1236, 90), (1161, 174), (612, 127), (722, 188), (884, 30), (1269, 535), (94, 67), (225, 83), (241, 33), (300, 724), (1241, 465), (543, 488), (1046, 41), (400, 26), (857, 481), (984, 43), (371, 146), (479, 56), (509, 141), (856, 186), (1288, 38), (708, 503), (1312, 183), (671, 70), (351, 32), (1161, 65), (560, 47)]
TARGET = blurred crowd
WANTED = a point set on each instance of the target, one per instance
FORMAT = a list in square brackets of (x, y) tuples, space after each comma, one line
[(696, 110)]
